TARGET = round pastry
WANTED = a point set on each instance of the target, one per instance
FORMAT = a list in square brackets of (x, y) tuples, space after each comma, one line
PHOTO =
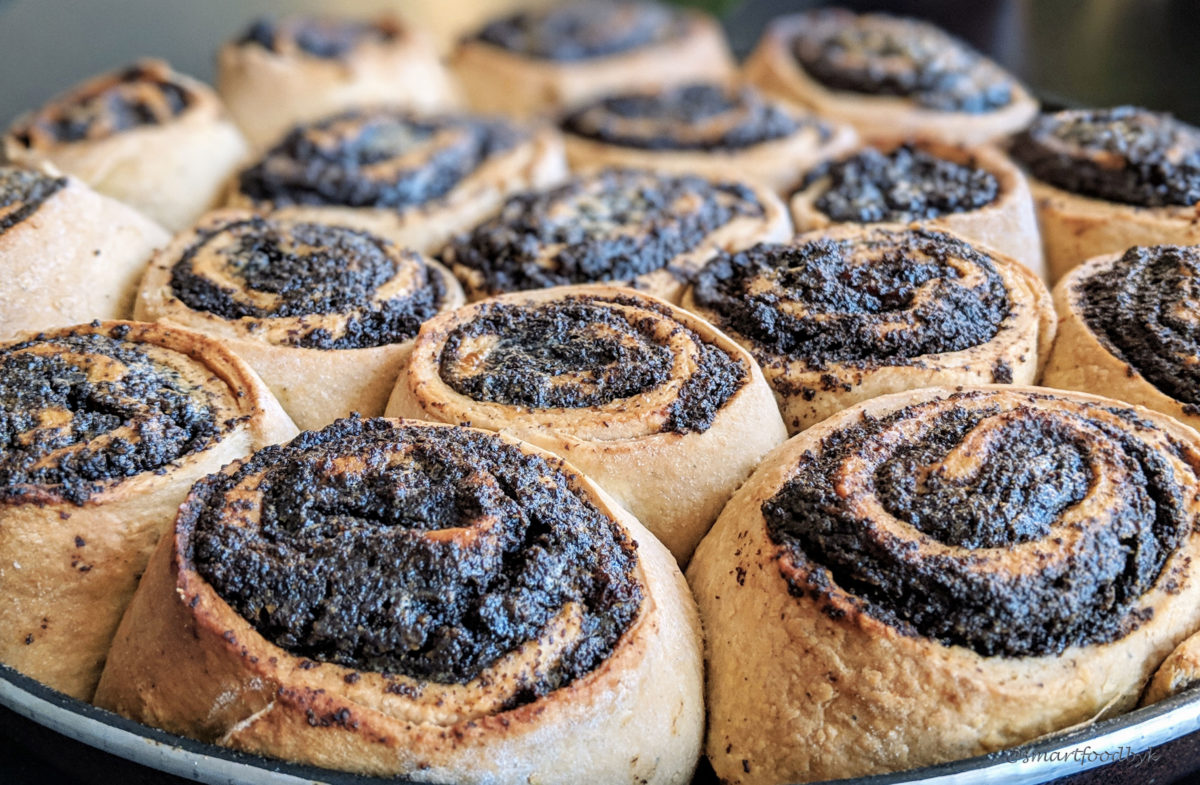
[(934, 575), (888, 76), (409, 599), (665, 413), (103, 428), (67, 254), (415, 180), (976, 192), (1105, 180), (542, 61), (723, 131), (147, 136), (1127, 328), (279, 73), (642, 229), (849, 313), (325, 314)]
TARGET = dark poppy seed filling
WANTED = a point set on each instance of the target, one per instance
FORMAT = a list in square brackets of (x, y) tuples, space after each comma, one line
[(422, 551), (144, 94), (269, 269), (325, 37), (80, 410), (877, 54), (580, 352), (22, 192), (363, 158), (886, 297), (906, 184), (1144, 309), (690, 117), (585, 30), (992, 480), (1126, 154), (612, 226)]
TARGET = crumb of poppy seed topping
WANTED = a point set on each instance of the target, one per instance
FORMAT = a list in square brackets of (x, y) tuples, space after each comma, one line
[(324, 37), (878, 54), (690, 117), (583, 352), (857, 299), (1125, 154), (59, 420), (22, 192), (1143, 310), (340, 160), (611, 226), (1082, 596), (340, 566), (583, 30), (906, 184), (307, 269)]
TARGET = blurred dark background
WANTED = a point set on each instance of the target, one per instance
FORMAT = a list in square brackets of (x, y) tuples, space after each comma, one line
[(1087, 52)]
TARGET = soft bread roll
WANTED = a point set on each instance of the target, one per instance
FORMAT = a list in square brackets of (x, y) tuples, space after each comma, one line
[(844, 314), (936, 574), (888, 76), (633, 227), (154, 139), (325, 314), (407, 599), (539, 62), (67, 254), (108, 426)]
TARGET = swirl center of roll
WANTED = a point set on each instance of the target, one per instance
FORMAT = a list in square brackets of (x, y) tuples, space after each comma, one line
[(577, 353), (689, 117), (885, 55), (371, 292), (888, 295), (585, 29), (1015, 524), (1125, 154), (375, 158), (615, 225), (1146, 309), (77, 411), (426, 552), (906, 184)]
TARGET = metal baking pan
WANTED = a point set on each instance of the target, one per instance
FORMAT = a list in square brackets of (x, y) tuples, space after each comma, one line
[(1099, 52)]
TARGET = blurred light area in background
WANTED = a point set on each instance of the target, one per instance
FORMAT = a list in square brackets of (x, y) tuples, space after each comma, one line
[(1097, 52)]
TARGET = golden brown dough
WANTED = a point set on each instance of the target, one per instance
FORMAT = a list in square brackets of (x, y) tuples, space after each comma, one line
[(888, 76), (844, 314), (416, 180), (721, 130), (147, 136), (1126, 329), (938, 184), (109, 425), (326, 322), (67, 254), (873, 603), (302, 68), (648, 230), (661, 410), (432, 646), (541, 62), (1105, 180)]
